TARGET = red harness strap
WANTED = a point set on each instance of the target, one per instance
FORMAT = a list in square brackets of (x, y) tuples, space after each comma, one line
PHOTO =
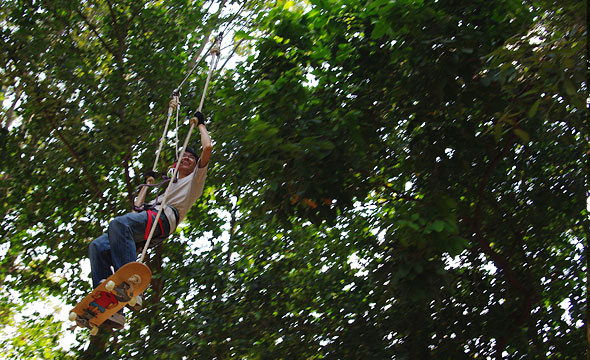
[(151, 213)]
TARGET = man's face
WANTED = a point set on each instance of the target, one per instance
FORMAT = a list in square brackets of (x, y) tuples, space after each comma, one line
[(187, 164)]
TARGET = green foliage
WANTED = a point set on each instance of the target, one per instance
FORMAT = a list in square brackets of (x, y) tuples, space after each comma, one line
[(390, 179), (35, 337)]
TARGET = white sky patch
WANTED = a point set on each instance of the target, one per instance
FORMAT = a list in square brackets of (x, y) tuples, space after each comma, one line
[(358, 264), (312, 80), (409, 186), (566, 306), (4, 249), (452, 263)]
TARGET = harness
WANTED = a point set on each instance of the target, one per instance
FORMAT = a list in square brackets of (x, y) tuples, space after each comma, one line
[(148, 227)]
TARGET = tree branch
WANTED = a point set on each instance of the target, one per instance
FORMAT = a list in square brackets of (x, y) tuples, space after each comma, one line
[(97, 192), (93, 184), (95, 32), (133, 14), (157, 281), (500, 261), (120, 39)]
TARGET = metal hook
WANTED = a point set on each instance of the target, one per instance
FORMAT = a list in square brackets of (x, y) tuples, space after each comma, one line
[(216, 48)]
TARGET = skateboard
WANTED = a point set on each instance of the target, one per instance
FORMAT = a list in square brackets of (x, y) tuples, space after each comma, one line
[(112, 295)]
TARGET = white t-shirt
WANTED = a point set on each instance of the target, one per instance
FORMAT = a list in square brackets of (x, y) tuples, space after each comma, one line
[(182, 195)]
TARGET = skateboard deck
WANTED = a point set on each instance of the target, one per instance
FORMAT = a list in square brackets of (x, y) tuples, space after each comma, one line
[(112, 295)]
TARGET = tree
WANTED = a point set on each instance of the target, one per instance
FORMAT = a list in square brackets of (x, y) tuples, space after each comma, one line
[(390, 179)]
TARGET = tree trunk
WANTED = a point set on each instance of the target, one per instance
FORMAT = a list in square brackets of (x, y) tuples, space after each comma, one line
[(98, 344)]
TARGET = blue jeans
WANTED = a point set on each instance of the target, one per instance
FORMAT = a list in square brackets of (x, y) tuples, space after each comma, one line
[(118, 246)]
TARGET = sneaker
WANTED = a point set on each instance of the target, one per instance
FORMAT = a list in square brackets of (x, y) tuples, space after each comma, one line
[(116, 321), (138, 304)]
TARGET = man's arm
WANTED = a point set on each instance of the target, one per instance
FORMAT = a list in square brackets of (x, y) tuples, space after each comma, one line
[(199, 121), (207, 146)]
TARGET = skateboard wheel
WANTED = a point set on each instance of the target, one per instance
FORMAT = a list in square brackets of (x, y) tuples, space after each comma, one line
[(133, 301), (73, 316), (94, 330), (110, 285), (134, 279)]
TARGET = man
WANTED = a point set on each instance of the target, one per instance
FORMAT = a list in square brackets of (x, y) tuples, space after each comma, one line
[(118, 246)]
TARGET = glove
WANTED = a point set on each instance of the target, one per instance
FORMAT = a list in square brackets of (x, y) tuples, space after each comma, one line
[(199, 117)]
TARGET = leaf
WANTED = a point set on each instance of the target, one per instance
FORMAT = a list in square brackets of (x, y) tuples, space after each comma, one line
[(376, 4), (290, 148), (325, 145), (533, 109), (523, 135), (570, 89), (438, 225), (381, 27), (497, 131), (289, 4), (457, 245), (243, 35)]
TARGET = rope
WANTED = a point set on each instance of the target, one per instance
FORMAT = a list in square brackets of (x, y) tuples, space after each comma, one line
[(139, 200), (196, 64), (216, 43), (176, 132), (215, 52), (234, 16), (172, 105)]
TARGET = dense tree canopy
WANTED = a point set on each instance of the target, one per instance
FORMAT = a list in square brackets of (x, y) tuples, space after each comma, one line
[(390, 179)]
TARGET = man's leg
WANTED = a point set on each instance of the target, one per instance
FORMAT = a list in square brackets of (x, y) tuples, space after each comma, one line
[(123, 232), (99, 253), (127, 230), (139, 226), (116, 248)]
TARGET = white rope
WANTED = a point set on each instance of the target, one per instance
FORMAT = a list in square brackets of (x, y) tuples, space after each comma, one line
[(215, 54), (197, 62), (176, 132), (214, 61), (173, 104)]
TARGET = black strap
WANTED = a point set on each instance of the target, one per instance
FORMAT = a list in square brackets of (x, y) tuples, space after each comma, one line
[(144, 206)]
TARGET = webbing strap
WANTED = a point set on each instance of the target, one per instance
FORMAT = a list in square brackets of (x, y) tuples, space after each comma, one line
[(148, 227)]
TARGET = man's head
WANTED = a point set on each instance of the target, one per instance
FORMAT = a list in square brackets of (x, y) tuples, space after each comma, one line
[(192, 151), (188, 162)]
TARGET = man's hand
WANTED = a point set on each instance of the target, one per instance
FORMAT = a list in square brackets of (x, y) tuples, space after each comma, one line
[(150, 174), (198, 119)]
